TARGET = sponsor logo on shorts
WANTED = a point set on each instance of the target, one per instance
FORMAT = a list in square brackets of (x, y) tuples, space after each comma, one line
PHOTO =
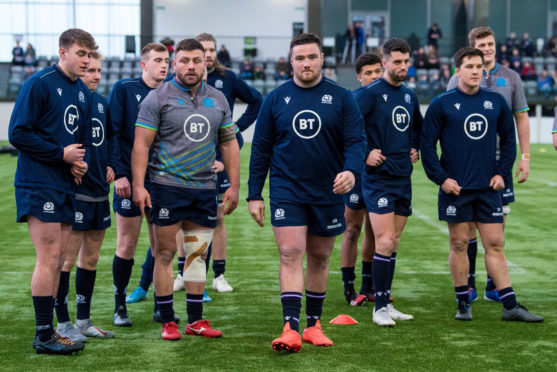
[(334, 224), (78, 217), (212, 218), (382, 202), (126, 204), (451, 210), (354, 198), (499, 213), (507, 193), (164, 214), (80, 299), (327, 98), (107, 218), (48, 207), (280, 214)]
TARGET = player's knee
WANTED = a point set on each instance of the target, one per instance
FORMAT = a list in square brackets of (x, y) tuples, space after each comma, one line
[(385, 244), (165, 255), (459, 244), (290, 254), (196, 244), (495, 245), (352, 233)]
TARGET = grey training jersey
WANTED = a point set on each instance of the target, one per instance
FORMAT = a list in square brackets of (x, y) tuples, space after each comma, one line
[(554, 130), (504, 81), (188, 129)]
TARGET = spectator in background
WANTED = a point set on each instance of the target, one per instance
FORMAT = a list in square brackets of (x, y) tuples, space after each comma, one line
[(550, 47), (282, 72), (259, 73), (224, 57), (516, 66), (420, 58), (544, 84), (504, 53), (349, 45), (515, 56), (246, 70), (528, 71), (445, 76), (360, 38), (411, 69), (330, 73), (411, 82), (512, 42), (432, 58), (433, 36), (527, 48), (18, 55), (414, 42), (30, 59)]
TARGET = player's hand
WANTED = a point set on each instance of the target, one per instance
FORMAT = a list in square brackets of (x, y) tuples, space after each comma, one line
[(414, 155), (79, 168), (344, 182), (257, 211), (524, 168), (77, 181), (73, 153), (230, 199), (141, 198), (497, 183), (375, 158), (218, 166), (450, 186), (123, 187), (109, 175)]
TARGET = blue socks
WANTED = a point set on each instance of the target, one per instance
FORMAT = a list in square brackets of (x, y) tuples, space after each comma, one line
[(147, 272), (84, 285), (61, 303), (381, 278), (43, 317), (291, 305), (314, 307), (194, 305), (121, 272)]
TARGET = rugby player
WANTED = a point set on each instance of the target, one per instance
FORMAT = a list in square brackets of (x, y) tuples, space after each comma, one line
[(309, 134), (466, 122), (392, 122), (124, 101), (92, 218), (368, 69), (51, 127), (183, 120), (506, 82)]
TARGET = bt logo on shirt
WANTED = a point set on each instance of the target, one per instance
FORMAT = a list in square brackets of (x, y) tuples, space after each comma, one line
[(306, 124), (196, 128), (98, 132), (401, 118), (475, 126)]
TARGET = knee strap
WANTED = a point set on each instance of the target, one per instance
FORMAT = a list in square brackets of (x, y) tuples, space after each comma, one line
[(196, 244)]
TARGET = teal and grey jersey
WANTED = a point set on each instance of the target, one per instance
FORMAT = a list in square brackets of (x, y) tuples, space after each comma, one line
[(188, 130), (504, 81)]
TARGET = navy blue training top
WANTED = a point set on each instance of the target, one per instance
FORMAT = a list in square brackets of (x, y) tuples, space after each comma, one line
[(306, 136), (392, 123), (50, 113), (102, 152), (124, 100), (467, 127)]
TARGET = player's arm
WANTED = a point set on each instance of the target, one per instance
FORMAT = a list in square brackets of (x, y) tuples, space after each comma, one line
[(417, 124), (507, 143), (116, 103), (554, 130), (231, 158), (253, 99), (22, 135), (354, 146), (430, 135), (146, 127), (112, 148), (520, 108), (260, 160), (373, 156)]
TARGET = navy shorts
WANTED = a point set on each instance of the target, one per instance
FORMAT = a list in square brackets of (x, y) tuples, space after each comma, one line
[(471, 206), (384, 195), (125, 206), (175, 204), (507, 194), (354, 199), (321, 220), (45, 204), (91, 215), (222, 185)]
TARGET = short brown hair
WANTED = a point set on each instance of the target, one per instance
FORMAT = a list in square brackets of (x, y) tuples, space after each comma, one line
[(479, 33), (157, 47), (97, 55), (189, 45), (307, 38), (208, 37), (77, 36), (395, 45), (466, 52)]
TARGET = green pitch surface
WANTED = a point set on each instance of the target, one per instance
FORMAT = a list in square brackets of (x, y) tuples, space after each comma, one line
[(250, 317)]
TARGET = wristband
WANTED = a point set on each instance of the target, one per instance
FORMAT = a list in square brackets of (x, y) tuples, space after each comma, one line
[(526, 156)]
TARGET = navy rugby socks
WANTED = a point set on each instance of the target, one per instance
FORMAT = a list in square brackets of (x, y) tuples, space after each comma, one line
[(291, 305), (314, 307), (121, 271), (61, 303), (84, 285)]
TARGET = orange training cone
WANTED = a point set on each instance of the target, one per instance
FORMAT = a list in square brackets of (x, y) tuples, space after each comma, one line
[(343, 319)]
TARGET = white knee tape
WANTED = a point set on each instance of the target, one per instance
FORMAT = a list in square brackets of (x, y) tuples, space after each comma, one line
[(196, 244)]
